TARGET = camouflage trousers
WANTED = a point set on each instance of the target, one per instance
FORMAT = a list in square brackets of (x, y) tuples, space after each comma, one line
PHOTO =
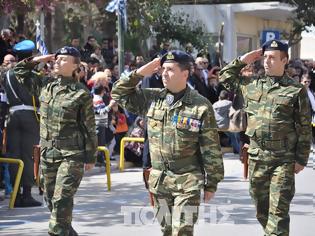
[(272, 187), (61, 181), (176, 207)]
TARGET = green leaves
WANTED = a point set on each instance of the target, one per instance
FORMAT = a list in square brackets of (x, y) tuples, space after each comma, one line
[(302, 18), (148, 18)]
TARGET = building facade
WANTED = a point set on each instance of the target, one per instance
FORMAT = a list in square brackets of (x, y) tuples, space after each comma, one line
[(246, 25)]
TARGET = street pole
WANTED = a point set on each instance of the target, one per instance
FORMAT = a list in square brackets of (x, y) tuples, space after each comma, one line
[(121, 48), (220, 45)]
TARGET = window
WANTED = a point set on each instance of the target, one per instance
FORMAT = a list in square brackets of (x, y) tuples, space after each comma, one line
[(244, 45)]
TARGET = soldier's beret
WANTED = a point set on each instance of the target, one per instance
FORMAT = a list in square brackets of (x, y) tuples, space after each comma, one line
[(176, 56), (273, 45), (24, 46), (68, 51)]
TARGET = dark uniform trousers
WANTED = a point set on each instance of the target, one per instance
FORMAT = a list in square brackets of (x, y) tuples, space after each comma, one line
[(22, 134)]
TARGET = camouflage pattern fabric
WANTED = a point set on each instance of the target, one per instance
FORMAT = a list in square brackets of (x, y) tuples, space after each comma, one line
[(279, 119), (276, 180), (67, 136), (176, 201), (278, 113), (61, 181), (68, 101), (62, 102), (183, 141)]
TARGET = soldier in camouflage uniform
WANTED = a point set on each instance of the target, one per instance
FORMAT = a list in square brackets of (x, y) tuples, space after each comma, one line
[(184, 146), (67, 133), (279, 120)]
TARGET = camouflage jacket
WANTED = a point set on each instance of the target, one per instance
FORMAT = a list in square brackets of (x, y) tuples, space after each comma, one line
[(278, 114), (183, 137), (67, 124)]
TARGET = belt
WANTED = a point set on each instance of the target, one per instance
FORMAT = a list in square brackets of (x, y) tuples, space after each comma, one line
[(270, 144), (60, 143), (175, 165), (22, 107)]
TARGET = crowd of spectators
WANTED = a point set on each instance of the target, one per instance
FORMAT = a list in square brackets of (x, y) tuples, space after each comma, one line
[(99, 70)]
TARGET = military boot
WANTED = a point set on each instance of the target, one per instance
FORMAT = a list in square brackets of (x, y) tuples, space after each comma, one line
[(18, 200), (27, 199)]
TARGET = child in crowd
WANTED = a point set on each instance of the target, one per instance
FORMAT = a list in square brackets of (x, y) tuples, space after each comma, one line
[(120, 122), (104, 128)]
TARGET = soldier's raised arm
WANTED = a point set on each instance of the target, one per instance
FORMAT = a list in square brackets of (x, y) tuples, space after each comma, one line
[(24, 68), (126, 92), (24, 71), (230, 74)]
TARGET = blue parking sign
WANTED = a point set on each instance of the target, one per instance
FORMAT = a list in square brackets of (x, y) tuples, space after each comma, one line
[(269, 35)]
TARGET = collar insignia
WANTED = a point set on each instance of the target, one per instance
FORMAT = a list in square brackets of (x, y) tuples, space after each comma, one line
[(169, 99)]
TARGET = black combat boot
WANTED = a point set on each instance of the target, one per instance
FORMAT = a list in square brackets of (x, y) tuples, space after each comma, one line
[(18, 200), (27, 199)]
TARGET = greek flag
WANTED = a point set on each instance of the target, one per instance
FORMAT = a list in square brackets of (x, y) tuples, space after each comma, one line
[(120, 7), (40, 44)]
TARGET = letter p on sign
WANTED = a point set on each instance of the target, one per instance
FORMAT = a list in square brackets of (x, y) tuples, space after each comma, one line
[(270, 36)]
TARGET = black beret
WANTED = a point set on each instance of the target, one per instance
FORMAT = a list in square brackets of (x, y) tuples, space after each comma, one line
[(176, 56), (69, 51), (273, 45)]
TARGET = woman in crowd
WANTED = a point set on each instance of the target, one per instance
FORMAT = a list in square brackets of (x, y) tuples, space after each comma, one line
[(134, 150)]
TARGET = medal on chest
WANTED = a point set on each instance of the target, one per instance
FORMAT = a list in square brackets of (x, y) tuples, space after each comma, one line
[(181, 122)]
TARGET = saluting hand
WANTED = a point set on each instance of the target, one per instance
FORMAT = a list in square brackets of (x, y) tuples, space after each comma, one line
[(149, 68), (44, 58), (252, 56)]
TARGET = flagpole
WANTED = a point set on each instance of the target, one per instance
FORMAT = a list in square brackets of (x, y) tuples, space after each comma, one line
[(121, 48), (120, 7)]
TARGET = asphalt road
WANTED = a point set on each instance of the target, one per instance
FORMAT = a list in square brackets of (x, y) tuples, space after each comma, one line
[(126, 211)]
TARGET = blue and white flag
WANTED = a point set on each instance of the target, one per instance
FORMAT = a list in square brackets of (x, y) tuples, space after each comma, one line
[(40, 44), (120, 6)]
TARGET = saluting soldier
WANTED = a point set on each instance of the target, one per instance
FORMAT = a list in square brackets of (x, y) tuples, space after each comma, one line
[(279, 128), (184, 145), (67, 133), (22, 125)]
